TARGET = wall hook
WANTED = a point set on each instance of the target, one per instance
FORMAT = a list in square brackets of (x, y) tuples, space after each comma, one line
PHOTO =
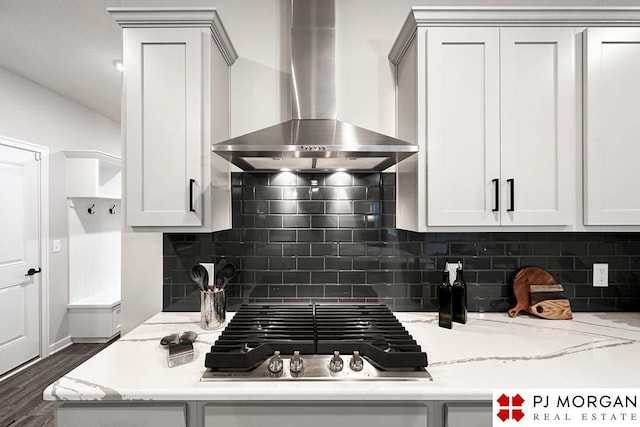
[(91, 210), (112, 210)]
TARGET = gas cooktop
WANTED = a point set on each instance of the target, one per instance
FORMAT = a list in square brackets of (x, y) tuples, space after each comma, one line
[(315, 342)]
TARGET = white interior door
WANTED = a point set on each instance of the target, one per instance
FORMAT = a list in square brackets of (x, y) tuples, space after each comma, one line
[(19, 252)]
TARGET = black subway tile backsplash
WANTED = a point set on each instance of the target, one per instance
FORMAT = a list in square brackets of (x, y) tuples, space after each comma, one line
[(282, 207), (342, 263), (339, 236), (310, 207), (311, 235), (324, 277), (312, 263), (296, 277), (282, 235), (331, 237), (311, 291)]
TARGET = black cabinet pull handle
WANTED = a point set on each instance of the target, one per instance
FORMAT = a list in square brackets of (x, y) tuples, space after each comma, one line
[(512, 191), (191, 208), (33, 271), (496, 187)]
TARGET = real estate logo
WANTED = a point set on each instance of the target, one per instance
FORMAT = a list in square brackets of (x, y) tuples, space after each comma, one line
[(566, 407), (510, 407)]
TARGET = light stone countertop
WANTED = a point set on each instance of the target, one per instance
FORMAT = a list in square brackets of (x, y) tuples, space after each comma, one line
[(594, 350)]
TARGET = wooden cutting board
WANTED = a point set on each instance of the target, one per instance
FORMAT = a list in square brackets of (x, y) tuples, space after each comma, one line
[(540, 293), (553, 309), (524, 278)]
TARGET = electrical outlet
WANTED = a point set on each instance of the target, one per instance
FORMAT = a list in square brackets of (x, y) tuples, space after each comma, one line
[(55, 246), (601, 275)]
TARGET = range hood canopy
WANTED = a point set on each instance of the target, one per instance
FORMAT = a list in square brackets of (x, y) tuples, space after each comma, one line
[(314, 140)]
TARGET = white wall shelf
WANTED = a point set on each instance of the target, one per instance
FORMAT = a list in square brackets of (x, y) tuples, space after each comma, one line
[(93, 174)]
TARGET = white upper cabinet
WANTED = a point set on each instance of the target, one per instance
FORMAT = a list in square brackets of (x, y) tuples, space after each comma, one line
[(163, 95), (462, 125), (495, 122), (537, 126), (175, 105), (612, 126)]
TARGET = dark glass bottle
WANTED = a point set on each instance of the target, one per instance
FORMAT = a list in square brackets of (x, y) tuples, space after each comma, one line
[(459, 297), (444, 298)]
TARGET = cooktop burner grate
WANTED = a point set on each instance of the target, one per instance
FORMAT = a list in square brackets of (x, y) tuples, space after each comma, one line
[(257, 331)]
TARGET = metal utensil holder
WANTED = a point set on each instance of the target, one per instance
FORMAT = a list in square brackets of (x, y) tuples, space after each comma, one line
[(213, 306)]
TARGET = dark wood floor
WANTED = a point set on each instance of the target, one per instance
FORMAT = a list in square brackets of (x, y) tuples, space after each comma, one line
[(21, 394)]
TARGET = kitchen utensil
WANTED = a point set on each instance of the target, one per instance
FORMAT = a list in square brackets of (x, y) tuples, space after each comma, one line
[(552, 309), (209, 284), (179, 354), (219, 279), (228, 273), (179, 348), (213, 306), (199, 275), (179, 337), (524, 278)]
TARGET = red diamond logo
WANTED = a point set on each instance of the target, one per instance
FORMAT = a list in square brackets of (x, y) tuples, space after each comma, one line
[(510, 407), (517, 400), (503, 414), (517, 414), (503, 400)]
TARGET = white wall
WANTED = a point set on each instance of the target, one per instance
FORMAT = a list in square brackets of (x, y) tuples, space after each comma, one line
[(32, 113)]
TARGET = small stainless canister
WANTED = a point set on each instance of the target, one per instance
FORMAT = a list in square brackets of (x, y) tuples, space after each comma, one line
[(213, 305)]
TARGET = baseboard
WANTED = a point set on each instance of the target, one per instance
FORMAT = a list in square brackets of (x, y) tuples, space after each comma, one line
[(95, 340), (60, 345), (19, 369)]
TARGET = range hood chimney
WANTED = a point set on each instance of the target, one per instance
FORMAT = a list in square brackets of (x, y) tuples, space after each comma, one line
[(314, 140)]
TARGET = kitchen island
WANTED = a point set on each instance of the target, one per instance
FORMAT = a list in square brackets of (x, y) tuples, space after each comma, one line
[(130, 380)]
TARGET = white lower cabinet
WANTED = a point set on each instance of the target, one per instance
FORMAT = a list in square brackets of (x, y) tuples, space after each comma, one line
[(468, 414), (131, 415), (94, 322), (312, 414), (277, 414)]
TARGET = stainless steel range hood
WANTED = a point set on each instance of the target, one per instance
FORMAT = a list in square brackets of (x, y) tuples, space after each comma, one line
[(314, 140)]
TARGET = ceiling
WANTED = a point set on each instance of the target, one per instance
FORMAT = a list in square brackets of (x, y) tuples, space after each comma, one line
[(67, 46)]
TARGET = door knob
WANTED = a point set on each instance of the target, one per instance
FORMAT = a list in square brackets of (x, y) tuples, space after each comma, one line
[(33, 271)]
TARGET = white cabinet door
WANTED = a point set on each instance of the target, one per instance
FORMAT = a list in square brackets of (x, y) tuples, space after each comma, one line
[(466, 415), (463, 125), (163, 126), (317, 414), (537, 126), (500, 126), (131, 415), (612, 128)]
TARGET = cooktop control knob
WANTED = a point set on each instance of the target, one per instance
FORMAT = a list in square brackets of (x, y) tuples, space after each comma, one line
[(336, 364), (275, 363), (296, 365), (356, 364)]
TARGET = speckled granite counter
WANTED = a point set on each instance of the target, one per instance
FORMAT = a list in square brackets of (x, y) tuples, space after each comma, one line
[(466, 363)]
